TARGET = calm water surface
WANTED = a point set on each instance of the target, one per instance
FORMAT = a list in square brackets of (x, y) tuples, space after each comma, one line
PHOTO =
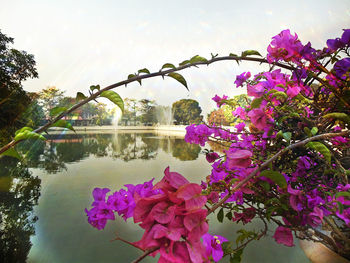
[(42, 204)]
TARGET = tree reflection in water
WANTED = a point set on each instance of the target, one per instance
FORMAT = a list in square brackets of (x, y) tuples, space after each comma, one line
[(19, 193), (53, 155)]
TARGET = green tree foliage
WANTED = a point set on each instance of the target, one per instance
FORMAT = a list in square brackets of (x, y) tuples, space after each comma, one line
[(15, 67), (187, 111), (148, 111), (218, 117), (49, 98)]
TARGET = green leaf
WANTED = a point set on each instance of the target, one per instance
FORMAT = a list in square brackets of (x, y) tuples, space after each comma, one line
[(114, 97), (184, 62), (11, 152), (229, 215), (233, 55), (179, 78), (272, 91), (276, 177), (23, 129), (131, 76), (93, 87), (144, 70), (340, 206), (80, 96), (220, 215), (338, 116), (269, 211), (279, 135), (280, 94), (197, 58), (265, 185), (168, 65), (314, 130), (321, 148), (250, 53), (227, 248), (27, 134), (63, 124), (237, 257), (345, 194), (307, 131), (287, 136), (256, 102), (57, 110)]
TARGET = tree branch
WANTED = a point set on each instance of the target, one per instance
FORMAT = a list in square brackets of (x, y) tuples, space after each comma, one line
[(147, 252), (138, 78)]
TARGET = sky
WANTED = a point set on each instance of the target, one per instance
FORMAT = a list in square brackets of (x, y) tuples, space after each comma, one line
[(77, 44)]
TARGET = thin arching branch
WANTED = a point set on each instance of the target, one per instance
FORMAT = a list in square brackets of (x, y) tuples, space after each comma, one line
[(139, 78)]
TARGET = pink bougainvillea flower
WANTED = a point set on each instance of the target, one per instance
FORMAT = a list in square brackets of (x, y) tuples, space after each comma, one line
[(213, 245), (239, 112), (219, 100), (99, 195), (242, 78), (238, 158), (296, 198), (211, 157), (284, 236), (256, 90), (196, 224), (315, 218), (259, 118), (240, 126), (284, 46)]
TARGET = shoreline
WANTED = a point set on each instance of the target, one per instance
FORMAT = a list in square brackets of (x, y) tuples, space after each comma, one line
[(175, 130)]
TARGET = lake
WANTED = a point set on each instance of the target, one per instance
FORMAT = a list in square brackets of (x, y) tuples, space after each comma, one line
[(43, 201)]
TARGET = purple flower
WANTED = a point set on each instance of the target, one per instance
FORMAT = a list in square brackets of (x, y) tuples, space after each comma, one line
[(240, 126), (98, 215), (242, 78), (99, 195), (296, 199), (197, 134), (334, 44), (315, 218), (218, 100), (258, 118), (211, 157), (122, 202), (285, 47), (342, 68), (213, 246), (239, 112), (256, 90), (345, 38)]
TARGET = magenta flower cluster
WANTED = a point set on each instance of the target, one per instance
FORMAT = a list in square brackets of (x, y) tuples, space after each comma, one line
[(170, 212)]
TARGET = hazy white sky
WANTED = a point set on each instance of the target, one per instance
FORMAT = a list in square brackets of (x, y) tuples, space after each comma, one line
[(80, 43)]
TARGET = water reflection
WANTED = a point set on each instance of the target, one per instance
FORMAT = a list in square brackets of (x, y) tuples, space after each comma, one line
[(19, 193), (79, 163), (53, 154)]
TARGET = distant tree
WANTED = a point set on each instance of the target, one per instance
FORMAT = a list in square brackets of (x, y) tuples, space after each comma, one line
[(217, 117), (148, 111), (34, 113), (15, 67), (187, 111), (49, 98)]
